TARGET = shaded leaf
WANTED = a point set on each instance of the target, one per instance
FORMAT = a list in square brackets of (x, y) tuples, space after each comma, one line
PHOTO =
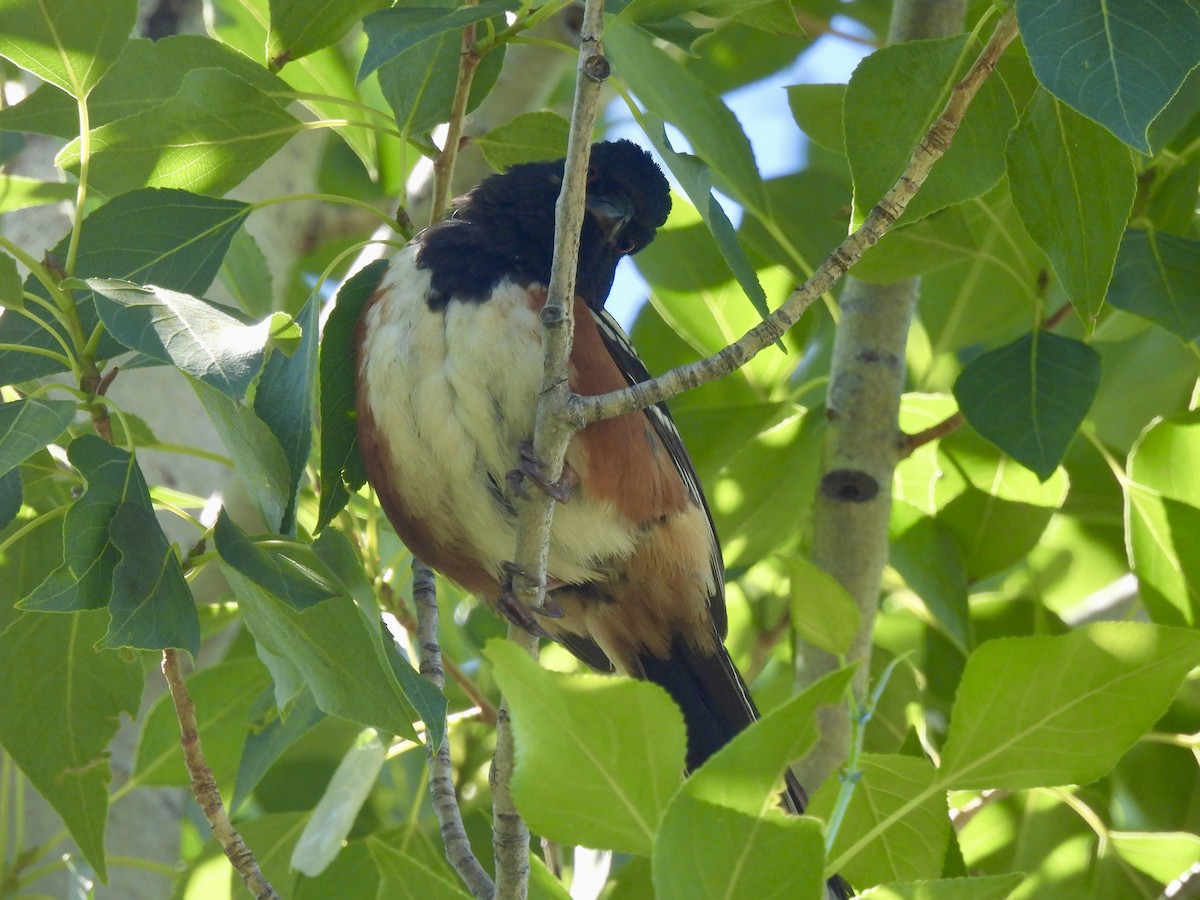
[(347, 660), (224, 696), (1073, 185), (187, 332), (334, 814), (206, 138), (298, 27), (151, 606), (247, 277), (405, 875), (598, 758), (894, 96), (674, 94), (266, 744), (817, 109), (1045, 711), (823, 613), (419, 83), (1029, 397), (165, 237), (927, 558), (341, 467), (284, 401), (27, 426), (392, 31), (85, 578), (10, 497), (1157, 277), (69, 43), (258, 459), (530, 137), (1118, 64), (65, 756)]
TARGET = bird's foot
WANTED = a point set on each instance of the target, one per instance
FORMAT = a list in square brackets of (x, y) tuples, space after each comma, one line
[(520, 614), (533, 468)]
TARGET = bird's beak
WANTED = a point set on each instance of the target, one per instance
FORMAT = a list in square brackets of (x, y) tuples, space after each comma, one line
[(611, 214)]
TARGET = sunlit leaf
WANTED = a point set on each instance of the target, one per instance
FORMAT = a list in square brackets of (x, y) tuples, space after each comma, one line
[(69, 43)]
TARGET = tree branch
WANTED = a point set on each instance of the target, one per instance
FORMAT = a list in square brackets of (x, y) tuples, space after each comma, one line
[(441, 770), (204, 786), (552, 432), (443, 166), (877, 223)]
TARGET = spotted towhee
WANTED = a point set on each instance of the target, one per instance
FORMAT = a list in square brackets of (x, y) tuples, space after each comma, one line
[(449, 369)]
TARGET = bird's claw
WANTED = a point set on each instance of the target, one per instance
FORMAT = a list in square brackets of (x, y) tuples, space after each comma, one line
[(532, 467), (520, 614)]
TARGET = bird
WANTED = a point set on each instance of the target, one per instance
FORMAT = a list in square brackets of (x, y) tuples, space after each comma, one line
[(448, 372)]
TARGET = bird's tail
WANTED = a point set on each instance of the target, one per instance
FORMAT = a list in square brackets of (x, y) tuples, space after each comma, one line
[(716, 705)]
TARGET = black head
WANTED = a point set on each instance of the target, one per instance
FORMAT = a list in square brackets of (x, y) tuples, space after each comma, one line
[(627, 200)]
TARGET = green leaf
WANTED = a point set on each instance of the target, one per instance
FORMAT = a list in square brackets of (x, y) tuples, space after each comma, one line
[(823, 613), (347, 661), (242, 24), (674, 94), (531, 137), (54, 662), (598, 757), (169, 238), (334, 814), (69, 43), (392, 31), (913, 840), (1157, 277), (419, 83), (145, 75), (1029, 397), (405, 875), (267, 743), (10, 497), (1073, 185), (17, 192), (707, 852), (284, 401), (817, 109), (341, 467), (894, 95), (187, 332), (696, 180), (206, 138), (224, 696), (27, 426), (722, 835), (754, 503), (247, 277), (259, 460), (299, 27), (11, 291), (1162, 519), (927, 558), (1045, 711), (1118, 64), (984, 887), (1164, 856), (298, 576), (151, 606), (995, 510), (85, 578), (940, 239)]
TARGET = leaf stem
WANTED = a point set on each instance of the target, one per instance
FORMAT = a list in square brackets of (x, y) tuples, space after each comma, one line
[(85, 162)]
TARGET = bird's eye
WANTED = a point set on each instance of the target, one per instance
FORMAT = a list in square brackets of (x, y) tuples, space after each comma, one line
[(593, 172), (626, 245)]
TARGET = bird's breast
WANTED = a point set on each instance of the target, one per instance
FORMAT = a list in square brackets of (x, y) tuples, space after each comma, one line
[(445, 397)]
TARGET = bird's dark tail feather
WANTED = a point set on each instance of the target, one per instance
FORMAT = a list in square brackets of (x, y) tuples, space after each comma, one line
[(716, 705)]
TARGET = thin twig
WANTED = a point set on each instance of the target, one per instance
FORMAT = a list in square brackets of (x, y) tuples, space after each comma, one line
[(911, 442), (877, 223), (443, 166), (441, 770), (204, 785), (552, 433)]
